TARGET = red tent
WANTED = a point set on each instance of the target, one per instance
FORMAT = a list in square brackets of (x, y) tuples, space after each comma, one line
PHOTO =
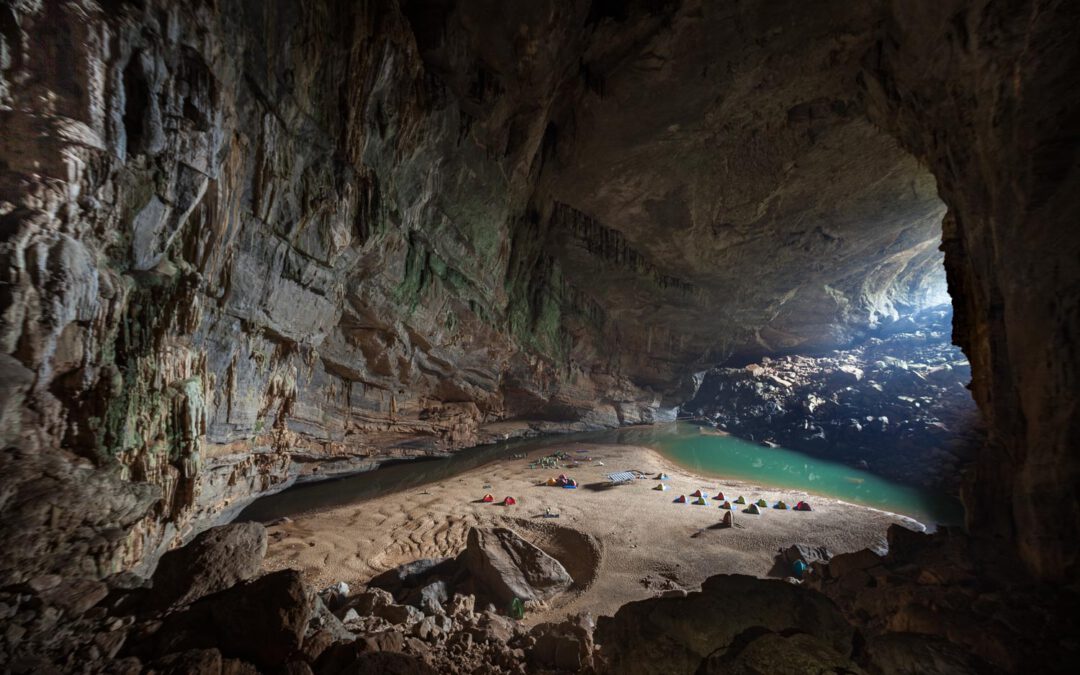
[(509, 501), (697, 493), (803, 506), (719, 496), (488, 499), (681, 499)]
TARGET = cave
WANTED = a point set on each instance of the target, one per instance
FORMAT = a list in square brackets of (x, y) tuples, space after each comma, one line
[(303, 300)]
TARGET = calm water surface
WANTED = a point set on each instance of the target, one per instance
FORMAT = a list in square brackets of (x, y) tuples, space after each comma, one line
[(711, 454), (707, 454)]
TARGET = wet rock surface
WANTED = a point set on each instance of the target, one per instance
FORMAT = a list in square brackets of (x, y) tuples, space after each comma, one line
[(897, 405)]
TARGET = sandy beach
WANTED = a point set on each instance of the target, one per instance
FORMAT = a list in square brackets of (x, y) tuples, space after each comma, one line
[(620, 543)]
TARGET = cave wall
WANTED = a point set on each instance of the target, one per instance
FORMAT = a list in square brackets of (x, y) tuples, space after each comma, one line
[(985, 94), (250, 241), (247, 242)]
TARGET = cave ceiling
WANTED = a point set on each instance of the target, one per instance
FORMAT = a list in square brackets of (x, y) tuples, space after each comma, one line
[(707, 182)]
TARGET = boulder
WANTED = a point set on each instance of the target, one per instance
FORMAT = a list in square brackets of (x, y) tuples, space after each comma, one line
[(563, 646), (388, 663), (262, 621), (675, 635), (462, 606), (215, 560), (430, 598), (369, 601), (433, 627), (806, 553), (322, 619), (509, 567), (901, 653), (850, 562), (778, 654), (400, 614), (192, 661), (413, 574), (495, 628)]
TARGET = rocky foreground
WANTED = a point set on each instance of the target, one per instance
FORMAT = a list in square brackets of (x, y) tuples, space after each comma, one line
[(933, 604), (897, 403)]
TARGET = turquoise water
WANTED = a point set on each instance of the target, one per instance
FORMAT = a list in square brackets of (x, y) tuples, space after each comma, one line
[(685, 444), (729, 457)]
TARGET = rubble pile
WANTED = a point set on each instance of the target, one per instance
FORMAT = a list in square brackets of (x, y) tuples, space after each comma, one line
[(896, 404), (208, 610)]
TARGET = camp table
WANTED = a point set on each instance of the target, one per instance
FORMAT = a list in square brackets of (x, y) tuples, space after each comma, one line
[(621, 477)]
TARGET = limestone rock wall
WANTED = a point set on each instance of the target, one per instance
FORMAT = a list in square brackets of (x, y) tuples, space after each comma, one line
[(249, 241), (245, 242), (982, 93)]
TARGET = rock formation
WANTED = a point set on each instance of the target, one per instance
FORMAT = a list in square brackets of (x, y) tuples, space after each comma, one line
[(245, 242), (897, 403)]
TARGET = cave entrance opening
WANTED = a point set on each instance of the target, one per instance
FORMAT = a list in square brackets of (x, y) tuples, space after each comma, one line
[(888, 399)]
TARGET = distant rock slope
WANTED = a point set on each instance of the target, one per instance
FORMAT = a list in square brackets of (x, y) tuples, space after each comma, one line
[(896, 404)]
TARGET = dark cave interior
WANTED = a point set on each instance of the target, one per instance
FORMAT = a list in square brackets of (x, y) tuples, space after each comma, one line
[(248, 244)]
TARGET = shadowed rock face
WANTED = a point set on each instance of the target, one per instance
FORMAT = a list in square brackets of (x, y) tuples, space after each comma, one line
[(248, 242)]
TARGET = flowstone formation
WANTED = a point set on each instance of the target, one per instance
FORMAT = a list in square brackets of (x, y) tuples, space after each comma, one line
[(896, 404)]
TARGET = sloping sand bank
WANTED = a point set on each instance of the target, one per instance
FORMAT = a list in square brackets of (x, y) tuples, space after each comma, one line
[(620, 543)]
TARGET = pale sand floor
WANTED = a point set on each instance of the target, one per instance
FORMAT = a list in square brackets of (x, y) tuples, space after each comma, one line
[(620, 544)]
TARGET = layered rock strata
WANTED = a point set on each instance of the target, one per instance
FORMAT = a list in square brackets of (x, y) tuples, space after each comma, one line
[(246, 240)]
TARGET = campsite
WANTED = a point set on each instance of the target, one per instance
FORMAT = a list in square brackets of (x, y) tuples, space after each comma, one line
[(605, 533)]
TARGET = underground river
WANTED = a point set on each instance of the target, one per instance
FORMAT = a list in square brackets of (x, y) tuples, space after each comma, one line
[(699, 450)]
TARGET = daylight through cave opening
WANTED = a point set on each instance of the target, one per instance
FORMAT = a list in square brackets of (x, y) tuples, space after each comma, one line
[(247, 246)]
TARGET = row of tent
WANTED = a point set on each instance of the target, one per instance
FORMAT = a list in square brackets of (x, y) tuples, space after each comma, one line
[(507, 501), (755, 507)]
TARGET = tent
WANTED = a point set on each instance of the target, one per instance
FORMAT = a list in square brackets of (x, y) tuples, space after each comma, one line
[(570, 484), (740, 500), (719, 496), (661, 476), (681, 499), (697, 493), (803, 506), (799, 568), (517, 609), (552, 481), (780, 505), (509, 501), (726, 505), (728, 520), (701, 501), (488, 498), (753, 508), (662, 487), (762, 503)]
